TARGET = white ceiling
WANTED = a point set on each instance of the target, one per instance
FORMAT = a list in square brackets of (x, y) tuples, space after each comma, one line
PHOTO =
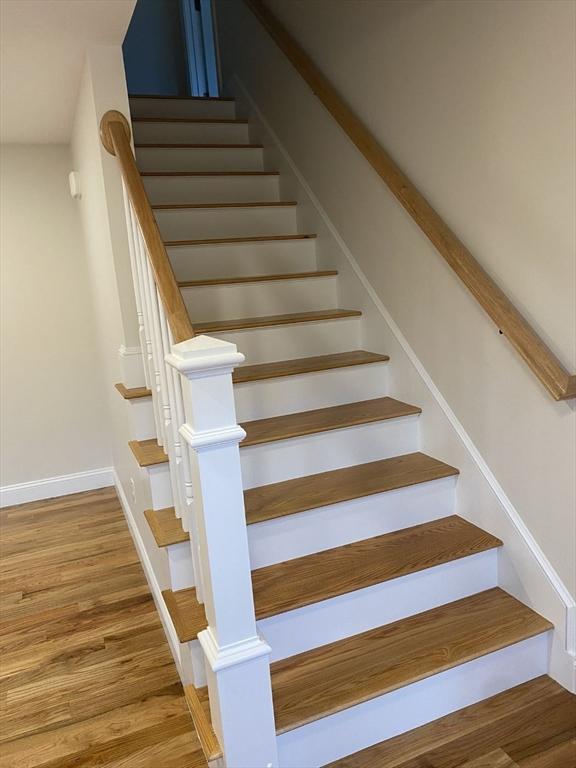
[(42, 48)]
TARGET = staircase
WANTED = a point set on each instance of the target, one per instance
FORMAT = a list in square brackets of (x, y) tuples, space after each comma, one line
[(380, 606)]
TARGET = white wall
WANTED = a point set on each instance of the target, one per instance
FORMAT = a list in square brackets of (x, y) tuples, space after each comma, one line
[(103, 87), (475, 100), (53, 417)]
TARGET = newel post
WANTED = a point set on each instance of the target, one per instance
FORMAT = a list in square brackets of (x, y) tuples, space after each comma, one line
[(237, 658)]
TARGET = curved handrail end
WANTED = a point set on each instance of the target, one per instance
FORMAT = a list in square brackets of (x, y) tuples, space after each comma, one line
[(112, 116)]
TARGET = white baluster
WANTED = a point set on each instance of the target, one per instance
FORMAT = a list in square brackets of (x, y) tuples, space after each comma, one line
[(141, 260), (183, 451), (238, 664), (130, 222)]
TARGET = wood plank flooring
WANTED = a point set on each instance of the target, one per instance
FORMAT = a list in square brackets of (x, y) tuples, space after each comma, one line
[(86, 676)]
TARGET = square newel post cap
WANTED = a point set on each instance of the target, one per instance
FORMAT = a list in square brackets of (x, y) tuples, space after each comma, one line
[(204, 356)]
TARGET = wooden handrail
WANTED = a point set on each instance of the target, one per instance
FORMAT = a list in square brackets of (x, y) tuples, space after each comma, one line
[(115, 136), (539, 357)]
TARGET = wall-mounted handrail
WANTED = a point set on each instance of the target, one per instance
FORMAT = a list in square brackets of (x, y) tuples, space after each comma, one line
[(115, 135), (539, 357)]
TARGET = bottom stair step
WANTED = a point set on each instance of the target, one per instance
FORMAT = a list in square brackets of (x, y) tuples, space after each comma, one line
[(340, 675), (515, 722)]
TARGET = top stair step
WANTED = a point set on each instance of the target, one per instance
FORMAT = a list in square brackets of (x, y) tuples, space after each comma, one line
[(182, 106), (516, 721), (348, 672)]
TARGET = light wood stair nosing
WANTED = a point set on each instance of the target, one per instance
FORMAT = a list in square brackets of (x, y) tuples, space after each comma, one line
[(209, 173), (234, 240), (270, 321), (182, 145), (246, 279), (208, 206), (133, 393)]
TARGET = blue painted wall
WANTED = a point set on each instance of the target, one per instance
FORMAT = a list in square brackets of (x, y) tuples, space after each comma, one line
[(154, 49)]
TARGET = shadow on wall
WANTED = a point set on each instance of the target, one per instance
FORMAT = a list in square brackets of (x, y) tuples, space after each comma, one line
[(155, 50)]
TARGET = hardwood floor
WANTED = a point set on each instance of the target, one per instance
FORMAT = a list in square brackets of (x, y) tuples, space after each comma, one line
[(86, 676)]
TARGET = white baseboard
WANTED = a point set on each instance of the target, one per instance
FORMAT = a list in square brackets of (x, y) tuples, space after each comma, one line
[(61, 485)]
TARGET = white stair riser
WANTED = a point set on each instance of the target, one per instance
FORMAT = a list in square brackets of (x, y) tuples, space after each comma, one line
[(422, 702), (301, 456), (237, 259), (141, 415), (180, 565), (160, 486), (284, 538), (285, 342), (291, 394), (192, 159), (211, 189), (191, 108), (204, 223), (191, 133), (274, 297), (321, 623)]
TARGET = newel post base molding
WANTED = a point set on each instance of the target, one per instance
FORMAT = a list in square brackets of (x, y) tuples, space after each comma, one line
[(237, 659)]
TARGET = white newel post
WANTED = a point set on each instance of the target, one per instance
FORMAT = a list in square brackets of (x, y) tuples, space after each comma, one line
[(237, 659)]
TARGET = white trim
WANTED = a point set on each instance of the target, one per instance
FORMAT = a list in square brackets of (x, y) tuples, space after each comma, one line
[(513, 514), (222, 657), (124, 351), (155, 588), (208, 438), (60, 485)]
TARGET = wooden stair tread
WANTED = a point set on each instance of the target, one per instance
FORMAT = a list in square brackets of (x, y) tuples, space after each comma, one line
[(302, 493), (495, 759), (265, 321), (194, 206), (187, 614), (165, 526), (291, 496), (199, 706), (132, 393), (302, 365), (181, 145), (261, 371), (257, 278), (516, 720), (178, 98), (209, 173), (324, 419), (148, 452), (314, 578), (321, 576), (194, 120), (230, 240), (348, 672)]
